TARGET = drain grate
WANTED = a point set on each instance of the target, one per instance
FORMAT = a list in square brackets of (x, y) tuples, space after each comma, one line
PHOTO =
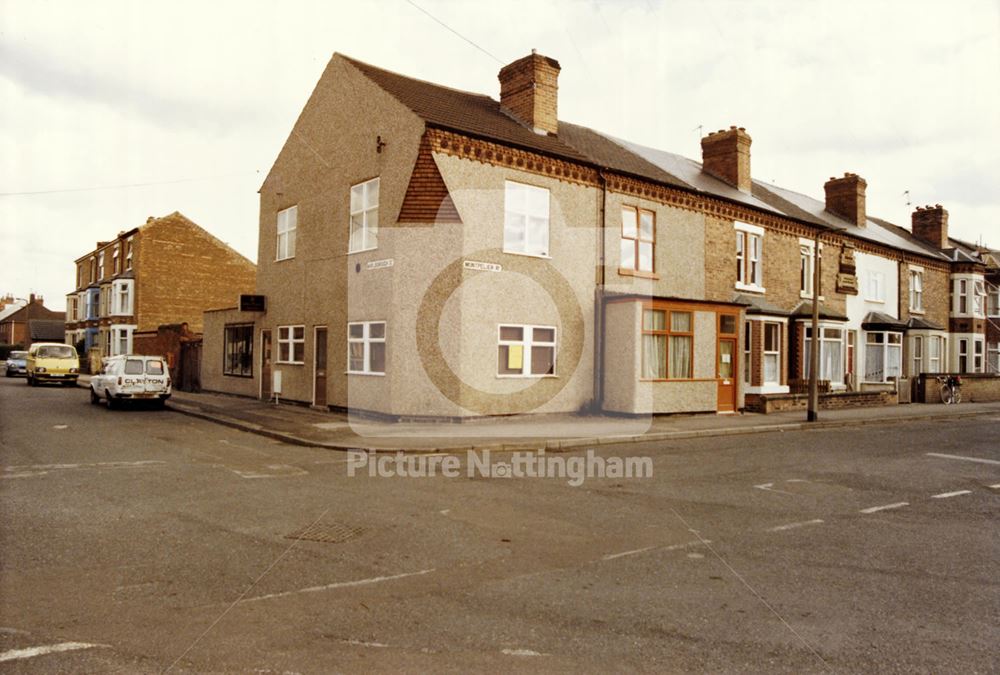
[(328, 532)]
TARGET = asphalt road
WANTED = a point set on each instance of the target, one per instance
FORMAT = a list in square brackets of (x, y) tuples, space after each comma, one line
[(143, 540)]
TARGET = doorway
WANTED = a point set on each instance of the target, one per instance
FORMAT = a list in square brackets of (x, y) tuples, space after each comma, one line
[(319, 368), (265, 365)]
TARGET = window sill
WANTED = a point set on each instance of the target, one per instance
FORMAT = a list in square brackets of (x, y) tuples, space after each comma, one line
[(750, 288), (277, 260), (809, 296), (361, 372), (245, 377), (527, 377), (362, 250), (642, 274), (543, 256), (918, 312), (875, 300), (289, 363)]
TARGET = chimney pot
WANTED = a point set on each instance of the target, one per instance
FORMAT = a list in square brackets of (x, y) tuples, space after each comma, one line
[(529, 89), (726, 155), (845, 197)]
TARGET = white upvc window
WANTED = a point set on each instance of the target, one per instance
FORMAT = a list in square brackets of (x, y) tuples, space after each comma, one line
[(963, 295), (916, 290), (875, 286), (366, 348), (883, 353), (120, 341), (526, 219), (749, 257), (935, 348), (772, 353), (831, 353), (917, 350), (288, 222), (978, 298), (122, 300), (364, 216), (993, 358), (526, 351), (291, 344)]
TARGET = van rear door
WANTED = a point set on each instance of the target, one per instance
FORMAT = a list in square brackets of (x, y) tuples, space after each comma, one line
[(156, 376)]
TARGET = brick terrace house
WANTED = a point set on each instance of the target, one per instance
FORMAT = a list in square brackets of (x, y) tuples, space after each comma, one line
[(29, 323), (166, 271), (432, 252)]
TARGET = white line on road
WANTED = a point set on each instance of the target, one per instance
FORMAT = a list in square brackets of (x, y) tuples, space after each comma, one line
[(945, 495), (770, 488), (792, 526), (967, 459), (339, 584), (995, 487), (886, 507), (95, 465), (671, 547), (30, 652), (361, 643), (521, 652)]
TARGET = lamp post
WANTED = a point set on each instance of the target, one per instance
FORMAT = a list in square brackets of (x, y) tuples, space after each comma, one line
[(813, 414)]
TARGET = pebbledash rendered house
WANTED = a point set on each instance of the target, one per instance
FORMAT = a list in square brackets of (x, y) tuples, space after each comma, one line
[(428, 252)]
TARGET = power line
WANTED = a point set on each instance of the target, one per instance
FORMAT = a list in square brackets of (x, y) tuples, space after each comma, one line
[(455, 31), (122, 186)]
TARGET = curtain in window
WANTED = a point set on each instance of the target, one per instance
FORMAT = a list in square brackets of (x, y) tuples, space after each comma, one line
[(654, 357), (893, 361), (874, 363), (680, 356), (830, 361)]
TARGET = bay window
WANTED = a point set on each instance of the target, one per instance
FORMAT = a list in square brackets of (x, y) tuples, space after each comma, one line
[(772, 353), (831, 354), (667, 345), (883, 353)]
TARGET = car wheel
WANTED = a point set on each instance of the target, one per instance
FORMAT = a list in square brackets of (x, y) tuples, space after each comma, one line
[(109, 401), (94, 398)]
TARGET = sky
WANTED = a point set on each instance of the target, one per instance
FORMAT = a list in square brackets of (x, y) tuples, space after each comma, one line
[(111, 112)]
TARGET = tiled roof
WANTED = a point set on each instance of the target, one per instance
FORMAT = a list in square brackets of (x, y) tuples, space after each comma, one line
[(46, 330), (481, 116)]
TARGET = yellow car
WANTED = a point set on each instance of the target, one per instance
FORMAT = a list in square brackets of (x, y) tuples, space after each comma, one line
[(52, 362)]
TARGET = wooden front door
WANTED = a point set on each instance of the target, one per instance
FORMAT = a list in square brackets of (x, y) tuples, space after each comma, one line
[(726, 374), (265, 365), (319, 369)]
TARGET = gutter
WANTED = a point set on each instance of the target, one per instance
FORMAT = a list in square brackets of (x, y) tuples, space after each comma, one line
[(599, 303)]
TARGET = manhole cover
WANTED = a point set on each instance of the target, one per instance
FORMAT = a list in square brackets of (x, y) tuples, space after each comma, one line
[(331, 533)]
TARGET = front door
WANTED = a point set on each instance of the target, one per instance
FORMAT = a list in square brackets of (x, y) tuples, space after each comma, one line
[(319, 370), (265, 365), (725, 373)]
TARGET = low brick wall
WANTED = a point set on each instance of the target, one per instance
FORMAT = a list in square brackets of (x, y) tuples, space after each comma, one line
[(772, 403), (976, 388)]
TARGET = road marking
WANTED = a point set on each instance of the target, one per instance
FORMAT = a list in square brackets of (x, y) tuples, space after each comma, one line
[(671, 547), (770, 488), (945, 495), (95, 465), (26, 474), (995, 487), (967, 459), (521, 652), (792, 526), (360, 643), (31, 652), (60, 426), (886, 507), (339, 584), (284, 471)]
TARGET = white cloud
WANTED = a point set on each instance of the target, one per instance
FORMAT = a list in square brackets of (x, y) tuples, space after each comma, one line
[(114, 93)]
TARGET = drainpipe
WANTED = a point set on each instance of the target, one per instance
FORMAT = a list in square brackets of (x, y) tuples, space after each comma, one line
[(599, 306), (813, 414)]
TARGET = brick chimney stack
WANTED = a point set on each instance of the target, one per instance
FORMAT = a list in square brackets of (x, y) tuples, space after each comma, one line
[(845, 197), (930, 225), (726, 155), (529, 91)]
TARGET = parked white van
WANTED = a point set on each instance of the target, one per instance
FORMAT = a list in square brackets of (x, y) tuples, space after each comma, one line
[(131, 378)]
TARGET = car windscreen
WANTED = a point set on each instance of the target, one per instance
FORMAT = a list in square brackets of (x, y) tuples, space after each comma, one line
[(154, 367), (55, 352), (133, 367), (20, 356)]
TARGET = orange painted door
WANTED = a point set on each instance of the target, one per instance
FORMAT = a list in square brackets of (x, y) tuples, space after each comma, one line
[(726, 374)]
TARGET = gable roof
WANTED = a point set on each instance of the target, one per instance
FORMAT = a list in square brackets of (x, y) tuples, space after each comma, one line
[(483, 117), (45, 330)]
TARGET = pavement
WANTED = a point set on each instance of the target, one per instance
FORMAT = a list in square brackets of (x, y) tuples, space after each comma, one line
[(300, 425)]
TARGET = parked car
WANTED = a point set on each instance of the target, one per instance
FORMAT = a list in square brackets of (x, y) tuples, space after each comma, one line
[(17, 364), (52, 362), (131, 377)]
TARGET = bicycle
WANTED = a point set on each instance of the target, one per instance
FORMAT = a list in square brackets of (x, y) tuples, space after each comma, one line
[(951, 388)]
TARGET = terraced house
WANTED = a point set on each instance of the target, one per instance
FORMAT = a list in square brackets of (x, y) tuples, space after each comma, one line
[(167, 270), (432, 252)]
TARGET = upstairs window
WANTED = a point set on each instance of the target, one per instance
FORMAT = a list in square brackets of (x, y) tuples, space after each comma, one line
[(638, 238), (288, 221), (128, 255), (993, 301), (916, 291), (526, 219), (875, 287), (749, 257), (116, 260), (963, 296), (364, 216), (978, 298), (121, 297), (100, 265)]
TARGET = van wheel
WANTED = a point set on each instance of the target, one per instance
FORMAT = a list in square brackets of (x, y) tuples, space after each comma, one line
[(94, 398), (109, 401)]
